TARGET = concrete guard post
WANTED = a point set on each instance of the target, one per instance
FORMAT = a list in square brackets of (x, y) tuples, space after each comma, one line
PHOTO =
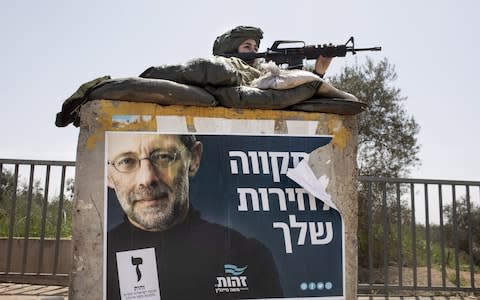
[(86, 275)]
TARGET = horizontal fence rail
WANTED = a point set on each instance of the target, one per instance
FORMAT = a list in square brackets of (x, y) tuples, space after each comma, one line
[(418, 236), (35, 218)]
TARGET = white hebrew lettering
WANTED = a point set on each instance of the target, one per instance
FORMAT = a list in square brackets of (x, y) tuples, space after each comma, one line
[(243, 279), (265, 201), (254, 160), (264, 159), (301, 200), (294, 195), (261, 159), (321, 233), (281, 197), (243, 199), (303, 229), (286, 235), (221, 282), (291, 194), (316, 235), (234, 164), (235, 282), (274, 162), (229, 281)]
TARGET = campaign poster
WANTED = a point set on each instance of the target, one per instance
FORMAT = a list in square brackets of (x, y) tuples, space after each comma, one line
[(238, 227)]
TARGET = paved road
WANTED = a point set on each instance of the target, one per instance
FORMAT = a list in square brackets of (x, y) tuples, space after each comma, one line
[(12, 291)]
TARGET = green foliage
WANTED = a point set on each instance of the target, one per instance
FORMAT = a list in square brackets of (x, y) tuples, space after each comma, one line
[(396, 241), (387, 134), (387, 148), (387, 215), (33, 210), (6, 188), (462, 220)]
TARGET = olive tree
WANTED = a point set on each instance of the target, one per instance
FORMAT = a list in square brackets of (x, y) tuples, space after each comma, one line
[(387, 147), (388, 144)]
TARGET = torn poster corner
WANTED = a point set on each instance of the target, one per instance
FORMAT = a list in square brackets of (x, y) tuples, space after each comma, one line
[(303, 175)]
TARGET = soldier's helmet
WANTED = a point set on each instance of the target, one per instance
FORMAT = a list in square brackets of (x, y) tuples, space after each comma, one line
[(230, 40)]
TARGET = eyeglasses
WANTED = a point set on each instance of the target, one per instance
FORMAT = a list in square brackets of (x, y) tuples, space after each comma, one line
[(129, 163)]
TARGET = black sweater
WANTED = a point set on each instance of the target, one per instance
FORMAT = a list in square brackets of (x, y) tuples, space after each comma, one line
[(192, 255)]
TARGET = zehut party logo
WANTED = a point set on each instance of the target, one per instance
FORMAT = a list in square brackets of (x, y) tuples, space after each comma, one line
[(233, 281)]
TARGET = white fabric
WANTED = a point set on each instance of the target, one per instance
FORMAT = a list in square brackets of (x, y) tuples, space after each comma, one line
[(278, 79)]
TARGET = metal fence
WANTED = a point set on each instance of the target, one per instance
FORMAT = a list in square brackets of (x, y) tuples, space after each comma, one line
[(415, 235), (35, 204), (418, 236)]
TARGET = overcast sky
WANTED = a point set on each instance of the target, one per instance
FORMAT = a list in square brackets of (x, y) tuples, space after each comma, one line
[(49, 48)]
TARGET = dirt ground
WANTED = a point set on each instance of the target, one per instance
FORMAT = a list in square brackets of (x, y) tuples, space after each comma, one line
[(422, 277)]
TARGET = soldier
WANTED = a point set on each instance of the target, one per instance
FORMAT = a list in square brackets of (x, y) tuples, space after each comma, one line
[(246, 39)]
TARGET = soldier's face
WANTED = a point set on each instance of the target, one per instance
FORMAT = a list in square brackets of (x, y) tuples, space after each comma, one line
[(248, 46)]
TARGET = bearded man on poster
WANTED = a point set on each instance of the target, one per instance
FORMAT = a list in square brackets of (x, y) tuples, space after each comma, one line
[(149, 174)]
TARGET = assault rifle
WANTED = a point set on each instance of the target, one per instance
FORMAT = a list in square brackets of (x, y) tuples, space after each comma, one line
[(294, 56)]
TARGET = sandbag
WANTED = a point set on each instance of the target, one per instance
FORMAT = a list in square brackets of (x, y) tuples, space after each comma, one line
[(330, 105), (135, 89), (72, 104), (132, 89), (216, 71), (250, 97)]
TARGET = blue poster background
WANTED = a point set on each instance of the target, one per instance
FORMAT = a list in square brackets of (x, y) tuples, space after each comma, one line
[(310, 270), (214, 192)]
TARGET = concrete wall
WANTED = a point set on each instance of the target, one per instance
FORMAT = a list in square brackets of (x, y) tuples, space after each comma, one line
[(96, 118), (33, 256)]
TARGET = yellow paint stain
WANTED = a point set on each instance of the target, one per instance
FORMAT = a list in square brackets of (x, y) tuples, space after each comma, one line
[(142, 124), (98, 136), (110, 108), (340, 134), (189, 121), (135, 108)]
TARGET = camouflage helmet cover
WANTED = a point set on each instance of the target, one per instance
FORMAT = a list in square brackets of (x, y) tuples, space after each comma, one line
[(231, 40)]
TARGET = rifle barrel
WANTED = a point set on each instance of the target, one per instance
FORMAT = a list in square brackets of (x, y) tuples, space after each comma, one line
[(369, 49)]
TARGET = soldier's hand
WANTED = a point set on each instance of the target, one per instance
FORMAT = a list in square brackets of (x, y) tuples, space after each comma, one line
[(323, 62)]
